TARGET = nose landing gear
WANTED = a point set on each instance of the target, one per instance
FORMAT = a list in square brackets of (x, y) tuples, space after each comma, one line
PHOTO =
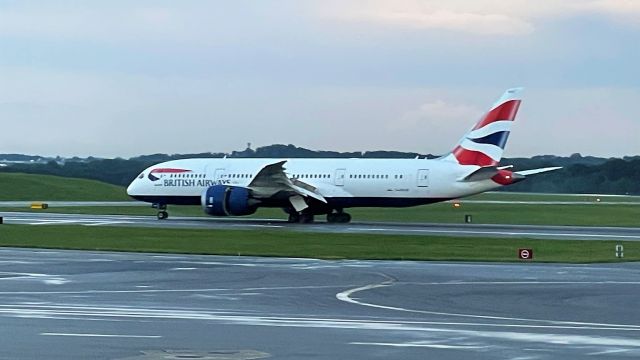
[(162, 211)]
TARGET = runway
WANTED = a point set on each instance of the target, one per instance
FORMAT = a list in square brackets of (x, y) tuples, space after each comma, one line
[(439, 229), (101, 305)]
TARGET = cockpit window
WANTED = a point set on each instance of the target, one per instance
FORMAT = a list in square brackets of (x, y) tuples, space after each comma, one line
[(141, 176)]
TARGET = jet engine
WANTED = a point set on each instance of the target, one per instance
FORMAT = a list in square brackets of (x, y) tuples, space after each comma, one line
[(223, 200)]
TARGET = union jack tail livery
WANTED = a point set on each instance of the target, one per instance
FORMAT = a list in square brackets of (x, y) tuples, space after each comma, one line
[(484, 144)]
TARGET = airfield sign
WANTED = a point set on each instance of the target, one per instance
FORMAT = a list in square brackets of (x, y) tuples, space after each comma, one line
[(525, 254)]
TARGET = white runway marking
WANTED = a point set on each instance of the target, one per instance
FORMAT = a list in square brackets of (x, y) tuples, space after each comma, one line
[(142, 291), (106, 223), (424, 345), (259, 225), (103, 335), (114, 313), (346, 296), (53, 222), (503, 233)]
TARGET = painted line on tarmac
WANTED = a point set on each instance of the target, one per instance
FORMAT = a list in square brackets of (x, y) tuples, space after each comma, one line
[(253, 319), (102, 335), (106, 223), (347, 296), (503, 233), (424, 345)]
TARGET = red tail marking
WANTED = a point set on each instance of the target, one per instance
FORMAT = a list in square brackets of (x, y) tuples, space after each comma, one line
[(505, 111), (470, 157)]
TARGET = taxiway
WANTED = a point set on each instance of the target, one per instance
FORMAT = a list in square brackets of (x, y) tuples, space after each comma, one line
[(101, 305), (440, 229)]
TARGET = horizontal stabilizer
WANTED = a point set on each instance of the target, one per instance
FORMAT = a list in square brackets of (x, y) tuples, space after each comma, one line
[(537, 171), (483, 173)]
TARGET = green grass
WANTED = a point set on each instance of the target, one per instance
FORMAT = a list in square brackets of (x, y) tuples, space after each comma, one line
[(314, 245), (537, 214), (509, 196), (29, 187)]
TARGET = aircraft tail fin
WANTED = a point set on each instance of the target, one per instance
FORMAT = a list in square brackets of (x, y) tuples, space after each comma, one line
[(484, 144)]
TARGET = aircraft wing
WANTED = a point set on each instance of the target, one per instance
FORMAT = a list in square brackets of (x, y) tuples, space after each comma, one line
[(272, 180)]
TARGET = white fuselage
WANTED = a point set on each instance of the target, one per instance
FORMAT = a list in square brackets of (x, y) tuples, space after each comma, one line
[(342, 182)]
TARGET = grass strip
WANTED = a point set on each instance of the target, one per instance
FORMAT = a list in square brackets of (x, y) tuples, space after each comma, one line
[(534, 214), (36, 187), (309, 245)]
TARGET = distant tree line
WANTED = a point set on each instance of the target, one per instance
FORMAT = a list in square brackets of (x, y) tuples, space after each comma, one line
[(580, 174)]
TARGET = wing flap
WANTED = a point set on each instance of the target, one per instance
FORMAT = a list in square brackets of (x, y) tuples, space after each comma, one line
[(272, 179)]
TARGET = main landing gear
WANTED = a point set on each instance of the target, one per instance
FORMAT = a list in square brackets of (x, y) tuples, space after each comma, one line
[(302, 218), (338, 217), (162, 211)]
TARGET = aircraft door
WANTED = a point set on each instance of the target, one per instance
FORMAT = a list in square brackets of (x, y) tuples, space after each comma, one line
[(423, 178), (215, 174), (338, 180), (219, 174)]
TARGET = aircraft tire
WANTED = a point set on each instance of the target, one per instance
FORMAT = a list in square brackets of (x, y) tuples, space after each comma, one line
[(162, 215), (341, 218), (332, 218), (294, 217), (344, 218), (306, 218)]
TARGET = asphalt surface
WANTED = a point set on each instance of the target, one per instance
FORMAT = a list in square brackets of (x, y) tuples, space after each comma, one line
[(466, 230), (27, 204), (100, 305)]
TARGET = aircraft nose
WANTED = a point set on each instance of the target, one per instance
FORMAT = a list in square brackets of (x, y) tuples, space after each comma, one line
[(132, 188)]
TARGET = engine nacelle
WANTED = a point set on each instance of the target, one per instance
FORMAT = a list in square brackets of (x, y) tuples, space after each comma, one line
[(223, 200)]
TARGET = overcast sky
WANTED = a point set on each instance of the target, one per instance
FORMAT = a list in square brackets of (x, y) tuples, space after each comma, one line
[(124, 78)]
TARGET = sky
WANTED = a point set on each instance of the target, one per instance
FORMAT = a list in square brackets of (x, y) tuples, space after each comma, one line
[(124, 78)]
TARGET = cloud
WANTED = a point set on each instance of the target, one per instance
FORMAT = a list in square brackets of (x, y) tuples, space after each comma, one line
[(437, 113), (466, 17), (623, 11), (483, 18), (437, 123), (122, 22), (467, 22)]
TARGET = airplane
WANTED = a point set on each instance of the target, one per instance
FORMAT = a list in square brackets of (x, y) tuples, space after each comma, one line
[(304, 188)]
